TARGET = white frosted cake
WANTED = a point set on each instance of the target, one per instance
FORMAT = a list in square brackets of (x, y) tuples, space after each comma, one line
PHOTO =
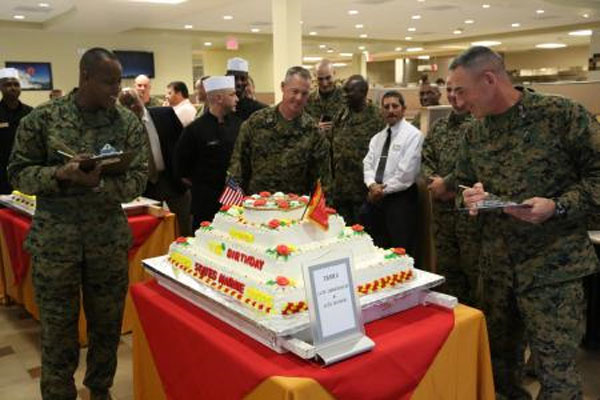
[(254, 253)]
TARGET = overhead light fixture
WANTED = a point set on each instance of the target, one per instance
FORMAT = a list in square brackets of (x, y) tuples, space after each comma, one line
[(208, 44), (486, 43), (423, 57), (307, 66), (322, 46), (19, 17), (421, 1), (188, 26), (408, 38), (412, 29), (159, 1), (398, 49), (586, 15), (330, 51), (416, 17), (339, 64), (539, 11), (311, 58), (413, 49), (255, 30), (550, 45), (345, 54), (485, 6), (469, 21), (43, 5), (583, 32), (227, 17), (363, 36), (359, 26), (458, 32), (352, 12), (301, 22), (361, 47), (515, 25), (312, 33)]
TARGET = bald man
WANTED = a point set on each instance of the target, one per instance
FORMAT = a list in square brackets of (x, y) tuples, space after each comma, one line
[(429, 95), (328, 99), (143, 87)]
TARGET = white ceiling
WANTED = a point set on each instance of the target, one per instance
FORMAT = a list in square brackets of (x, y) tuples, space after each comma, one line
[(386, 22)]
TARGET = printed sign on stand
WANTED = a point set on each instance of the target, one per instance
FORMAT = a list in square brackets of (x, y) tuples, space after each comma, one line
[(335, 314)]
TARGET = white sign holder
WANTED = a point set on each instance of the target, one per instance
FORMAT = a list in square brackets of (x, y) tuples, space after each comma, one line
[(334, 310)]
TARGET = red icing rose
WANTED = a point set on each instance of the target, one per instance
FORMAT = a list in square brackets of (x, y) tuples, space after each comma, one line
[(265, 194), (399, 250), (204, 224), (303, 200), (225, 207), (358, 228), (282, 281), (180, 239), (247, 198), (274, 223), (283, 204), (330, 210), (283, 250), (259, 202)]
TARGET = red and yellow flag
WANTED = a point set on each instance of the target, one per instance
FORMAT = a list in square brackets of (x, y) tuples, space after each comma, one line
[(317, 209)]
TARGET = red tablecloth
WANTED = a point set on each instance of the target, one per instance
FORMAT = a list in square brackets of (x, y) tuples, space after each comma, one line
[(198, 354), (15, 227)]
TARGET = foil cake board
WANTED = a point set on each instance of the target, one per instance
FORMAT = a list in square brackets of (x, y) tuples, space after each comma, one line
[(283, 334)]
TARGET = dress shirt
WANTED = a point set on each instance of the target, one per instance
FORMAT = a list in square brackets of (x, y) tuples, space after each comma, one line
[(404, 157), (159, 163), (186, 112)]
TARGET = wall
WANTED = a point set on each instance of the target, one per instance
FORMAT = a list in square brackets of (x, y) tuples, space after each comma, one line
[(172, 55), (381, 72), (557, 58)]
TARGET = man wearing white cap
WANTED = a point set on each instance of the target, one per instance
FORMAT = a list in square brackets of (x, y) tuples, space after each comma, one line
[(238, 68), (11, 112), (204, 149)]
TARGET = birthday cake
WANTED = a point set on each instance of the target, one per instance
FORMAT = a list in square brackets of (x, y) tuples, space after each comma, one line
[(24, 201), (254, 253)]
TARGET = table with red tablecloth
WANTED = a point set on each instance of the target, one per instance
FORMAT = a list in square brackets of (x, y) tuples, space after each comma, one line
[(151, 237), (182, 352)]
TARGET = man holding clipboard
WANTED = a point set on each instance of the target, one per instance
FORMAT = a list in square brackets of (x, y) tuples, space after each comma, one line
[(79, 236)]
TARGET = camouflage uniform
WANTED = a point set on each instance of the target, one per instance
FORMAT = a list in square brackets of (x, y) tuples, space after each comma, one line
[(543, 146), (456, 235), (329, 105), (274, 154), (79, 237), (351, 133), (155, 101)]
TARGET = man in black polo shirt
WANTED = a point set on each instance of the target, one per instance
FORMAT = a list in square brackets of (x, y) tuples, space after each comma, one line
[(11, 112), (204, 149)]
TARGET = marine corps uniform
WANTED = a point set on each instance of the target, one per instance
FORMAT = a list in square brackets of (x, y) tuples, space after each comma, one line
[(544, 146), (274, 154), (351, 133), (79, 236), (328, 105), (456, 235)]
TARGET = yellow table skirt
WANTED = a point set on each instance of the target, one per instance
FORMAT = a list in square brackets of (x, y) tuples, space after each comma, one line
[(461, 370), (157, 244)]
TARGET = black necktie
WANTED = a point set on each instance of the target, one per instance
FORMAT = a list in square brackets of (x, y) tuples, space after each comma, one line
[(383, 157)]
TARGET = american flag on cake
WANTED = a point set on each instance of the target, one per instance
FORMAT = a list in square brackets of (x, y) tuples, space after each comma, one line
[(232, 194)]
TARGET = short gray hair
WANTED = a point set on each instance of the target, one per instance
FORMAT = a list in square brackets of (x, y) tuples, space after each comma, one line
[(479, 58), (297, 71)]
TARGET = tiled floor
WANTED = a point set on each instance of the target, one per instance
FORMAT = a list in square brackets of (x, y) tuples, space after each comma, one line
[(20, 362)]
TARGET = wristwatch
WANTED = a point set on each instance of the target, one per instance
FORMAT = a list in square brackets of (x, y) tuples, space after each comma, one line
[(560, 210)]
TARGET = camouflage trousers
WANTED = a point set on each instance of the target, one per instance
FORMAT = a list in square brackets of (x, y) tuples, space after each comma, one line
[(457, 251), (58, 284), (550, 319)]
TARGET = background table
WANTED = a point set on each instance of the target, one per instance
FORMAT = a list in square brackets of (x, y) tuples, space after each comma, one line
[(156, 244), (461, 369)]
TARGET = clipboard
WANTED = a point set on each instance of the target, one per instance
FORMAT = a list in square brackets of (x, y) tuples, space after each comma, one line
[(111, 164)]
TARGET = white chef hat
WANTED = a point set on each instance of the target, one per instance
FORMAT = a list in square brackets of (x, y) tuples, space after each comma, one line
[(219, 83), (237, 64), (9, 73)]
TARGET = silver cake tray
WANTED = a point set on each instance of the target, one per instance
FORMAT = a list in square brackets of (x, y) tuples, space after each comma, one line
[(137, 206), (292, 333)]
